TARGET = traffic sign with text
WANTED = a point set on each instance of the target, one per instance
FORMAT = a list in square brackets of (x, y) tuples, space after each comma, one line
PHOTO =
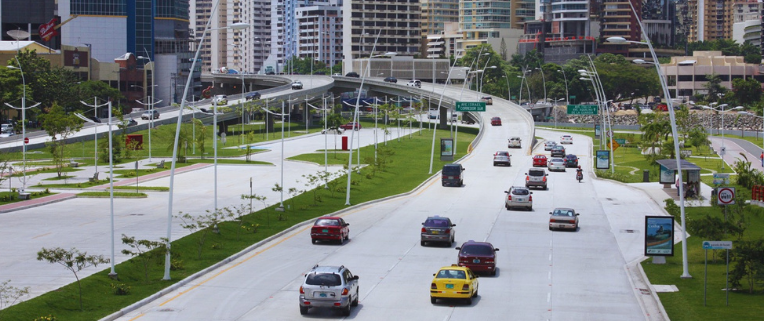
[(717, 245), (466, 106), (726, 196), (582, 109)]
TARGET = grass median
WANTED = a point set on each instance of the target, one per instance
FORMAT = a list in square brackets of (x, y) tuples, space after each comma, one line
[(406, 165)]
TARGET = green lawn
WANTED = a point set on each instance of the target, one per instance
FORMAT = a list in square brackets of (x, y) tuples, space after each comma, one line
[(406, 165), (108, 194)]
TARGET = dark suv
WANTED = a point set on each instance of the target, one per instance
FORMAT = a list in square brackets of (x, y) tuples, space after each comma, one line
[(353, 74), (478, 256), (571, 160), (438, 229), (453, 174), (391, 79), (252, 96)]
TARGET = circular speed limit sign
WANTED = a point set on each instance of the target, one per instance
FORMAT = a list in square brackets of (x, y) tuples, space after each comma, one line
[(726, 196)]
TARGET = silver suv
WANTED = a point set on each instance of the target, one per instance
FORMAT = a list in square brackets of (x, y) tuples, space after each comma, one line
[(514, 142), (536, 177), (329, 287), (518, 196)]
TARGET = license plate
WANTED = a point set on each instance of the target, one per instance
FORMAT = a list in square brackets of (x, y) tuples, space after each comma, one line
[(322, 294), (521, 200), (449, 286), (435, 232), (475, 261), (325, 231)]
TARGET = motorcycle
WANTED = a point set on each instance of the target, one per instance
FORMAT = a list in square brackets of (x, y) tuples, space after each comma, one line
[(580, 176)]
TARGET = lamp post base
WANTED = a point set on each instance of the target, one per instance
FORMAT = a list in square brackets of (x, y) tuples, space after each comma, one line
[(113, 276), (280, 208)]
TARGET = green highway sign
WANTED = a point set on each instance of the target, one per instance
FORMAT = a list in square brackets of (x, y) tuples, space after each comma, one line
[(470, 106), (582, 109), (620, 141)]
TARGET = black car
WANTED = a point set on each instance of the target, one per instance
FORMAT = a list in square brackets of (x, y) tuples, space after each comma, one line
[(558, 151), (252, 96), (392, 80), (571, 160), (130, 122), (94, 119), (453, 174), (353, 74)]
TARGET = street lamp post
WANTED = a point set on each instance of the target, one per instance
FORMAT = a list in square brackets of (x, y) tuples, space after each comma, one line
[(237, 26), (112, 273), (150, 104), (762, 124), (567, 96), (95, 106), (23, 123), (543, 81), (674, 132), (509, 92)]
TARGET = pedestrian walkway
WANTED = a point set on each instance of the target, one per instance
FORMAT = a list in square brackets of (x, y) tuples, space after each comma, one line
[(36, 202), (152, 176)]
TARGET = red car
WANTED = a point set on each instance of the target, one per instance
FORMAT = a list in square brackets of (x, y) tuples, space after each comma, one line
[(348, 126), (330, 228), (539, 160), (478, 256), (496, 121)]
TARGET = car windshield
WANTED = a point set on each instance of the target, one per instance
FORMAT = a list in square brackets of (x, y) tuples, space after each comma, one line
[(556, 160), (436, 223), (502, 154), (520, 191), (536, 173), (327, 222), (477, 250), (450, 170), (559, 212), (451, 274), (325, 279)]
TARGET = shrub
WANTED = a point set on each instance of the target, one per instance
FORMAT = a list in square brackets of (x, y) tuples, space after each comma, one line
[(120, 289)]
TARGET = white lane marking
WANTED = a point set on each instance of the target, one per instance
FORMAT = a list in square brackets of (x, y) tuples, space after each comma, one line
[(549, 297), (388, 272), (549, 276), (550, 257)]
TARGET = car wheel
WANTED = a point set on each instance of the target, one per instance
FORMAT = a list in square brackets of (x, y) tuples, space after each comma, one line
[(545, 187), (314, 241), (530, 208), (506, 206), (461, 183), (494, 164), (355, 302), (550, 228), (469, 301), (493, 273), (346, 310), (422, 243), (433, 300), (303, 310)]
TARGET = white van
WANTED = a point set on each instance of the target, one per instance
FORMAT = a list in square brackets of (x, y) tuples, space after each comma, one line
[(6, 130), (414, 83), (432, 114)]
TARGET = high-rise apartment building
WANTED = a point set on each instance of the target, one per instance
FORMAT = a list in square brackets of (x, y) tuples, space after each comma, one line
[(618, 20), (481, 20), (395, 25), (709, 19), (256, 41), (320, 37), (436, 14)]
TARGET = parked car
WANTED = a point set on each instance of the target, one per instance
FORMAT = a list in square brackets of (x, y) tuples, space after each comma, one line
[(571, 160), (94, 119), (351, 126), (297, 85), (220, 100), (539, 160), (496, 121), (563, 218), (129, 122), (536, 177), (391, 80), (502, 157), (549, 144), (566, 139), (333, 287), (330, 228), (414, 83), (332, 130), (514, 142), (438, 229), (253, 96), (150, 114), (519, 196), (452, 174), (556, 164), (558, 151), (487, 99), (478, 256), (352, 74), (454, 282)]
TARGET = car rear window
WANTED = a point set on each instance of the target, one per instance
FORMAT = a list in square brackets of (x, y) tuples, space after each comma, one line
[(477, 250), (536, 173), (327, 222), (502, 153), (520, 191), (436, 223), (451, 274), (325, 279), (450, 170), (562, 213)]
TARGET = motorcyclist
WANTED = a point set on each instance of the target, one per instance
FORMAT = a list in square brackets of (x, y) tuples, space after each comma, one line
[(579, 172)]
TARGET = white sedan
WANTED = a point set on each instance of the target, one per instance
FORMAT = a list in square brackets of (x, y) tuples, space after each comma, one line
[(566, 139), (556, 164)]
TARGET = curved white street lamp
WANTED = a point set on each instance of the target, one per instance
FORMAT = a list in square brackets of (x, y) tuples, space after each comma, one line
[(567, 96), (23, 123), (543, 80)]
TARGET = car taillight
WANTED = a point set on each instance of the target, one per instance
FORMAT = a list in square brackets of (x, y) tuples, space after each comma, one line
[(448, 230), (551, 220), (544, 178), (489, 262), (509, 197), (445, 177), (465, 287), (433, 286), (424, 230), (345, 291), (530, 198), (302, 291), (527, 178)]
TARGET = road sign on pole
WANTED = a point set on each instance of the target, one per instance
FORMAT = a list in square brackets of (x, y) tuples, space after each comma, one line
[(467, 106), (726, 196), (26, 140), (582, 109)]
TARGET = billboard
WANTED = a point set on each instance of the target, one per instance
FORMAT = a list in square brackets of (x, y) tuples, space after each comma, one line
[(48, 30), (659, 236), (603, 159), (75, 58), (447, 149)]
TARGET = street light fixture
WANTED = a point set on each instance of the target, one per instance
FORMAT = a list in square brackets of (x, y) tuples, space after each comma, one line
[(95, 128), (674, 132), (151, 105), (235, 26), (567, 96), (23, 123), (543, 80)]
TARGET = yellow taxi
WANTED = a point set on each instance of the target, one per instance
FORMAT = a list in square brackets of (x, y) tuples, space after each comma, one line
[(454, 282)]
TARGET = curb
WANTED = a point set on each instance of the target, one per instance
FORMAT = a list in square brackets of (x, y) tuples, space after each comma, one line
[(31, 205)]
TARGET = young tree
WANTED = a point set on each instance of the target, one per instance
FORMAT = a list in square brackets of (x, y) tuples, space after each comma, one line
[(748, 257), (204, 223), (201, 135), (59, 126), (260, 199), (73, 260), (10, 294), (146, 250)]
